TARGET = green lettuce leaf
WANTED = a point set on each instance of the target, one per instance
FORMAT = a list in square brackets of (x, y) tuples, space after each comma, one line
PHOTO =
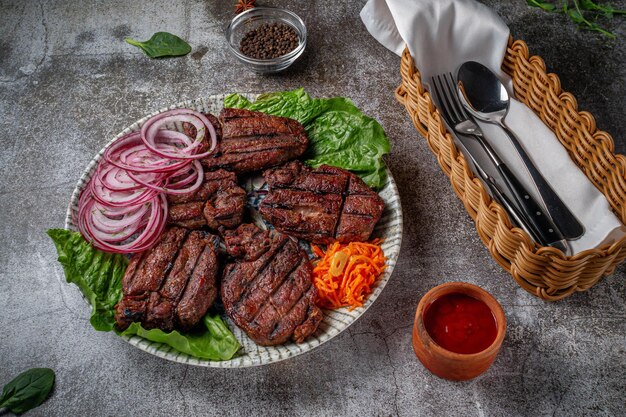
[(339, 133), (97, 274), (296, 104), (215, 343)]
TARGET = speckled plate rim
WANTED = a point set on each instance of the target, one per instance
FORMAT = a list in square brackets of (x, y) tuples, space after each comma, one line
[(335, 321)]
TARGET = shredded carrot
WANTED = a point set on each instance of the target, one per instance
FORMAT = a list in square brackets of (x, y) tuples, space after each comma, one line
[(345, 274)]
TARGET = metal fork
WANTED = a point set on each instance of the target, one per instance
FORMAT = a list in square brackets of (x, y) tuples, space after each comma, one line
[(532, 215)]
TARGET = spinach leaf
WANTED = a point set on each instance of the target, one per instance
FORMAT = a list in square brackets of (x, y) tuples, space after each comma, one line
[(97, 274), (27, 390), (339, 133), (162, 44), (215, 343)]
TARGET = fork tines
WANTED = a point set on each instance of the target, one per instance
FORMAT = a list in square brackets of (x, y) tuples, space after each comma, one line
[(445, 91)]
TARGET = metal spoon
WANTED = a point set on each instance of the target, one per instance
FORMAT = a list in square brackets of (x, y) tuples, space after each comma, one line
[(486, 98)]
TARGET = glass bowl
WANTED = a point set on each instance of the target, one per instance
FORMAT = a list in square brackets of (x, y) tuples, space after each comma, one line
[(253, 18)]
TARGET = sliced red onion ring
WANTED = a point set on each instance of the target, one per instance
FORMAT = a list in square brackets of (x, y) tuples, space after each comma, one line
[(147, 237), (115, 178), (150, 129), (146, 161), (119, 198), (123, 208), (114, 211), (196, 175), (110, 224)]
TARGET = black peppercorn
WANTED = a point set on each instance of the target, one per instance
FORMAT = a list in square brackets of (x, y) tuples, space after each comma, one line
[(269, 41)]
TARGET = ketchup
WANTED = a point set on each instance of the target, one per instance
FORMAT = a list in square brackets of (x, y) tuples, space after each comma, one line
[(460, 323)]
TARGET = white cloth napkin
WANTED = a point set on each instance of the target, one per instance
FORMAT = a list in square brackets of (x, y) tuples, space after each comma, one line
[(443, 34)]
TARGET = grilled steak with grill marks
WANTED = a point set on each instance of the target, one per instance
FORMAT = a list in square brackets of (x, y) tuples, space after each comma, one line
[(171, 285), (253, 141), (268, 291), (322, 205), (218, 202)]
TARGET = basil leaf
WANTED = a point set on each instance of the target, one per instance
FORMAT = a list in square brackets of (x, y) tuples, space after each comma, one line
[(215, 342), (97, 274), (162, 44), (339, 133), (27, 390)]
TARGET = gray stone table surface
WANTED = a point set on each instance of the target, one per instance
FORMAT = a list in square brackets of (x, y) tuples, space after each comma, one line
[(68, 83)]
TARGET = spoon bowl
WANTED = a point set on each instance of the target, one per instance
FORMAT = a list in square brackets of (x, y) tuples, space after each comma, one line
[(485, 95)]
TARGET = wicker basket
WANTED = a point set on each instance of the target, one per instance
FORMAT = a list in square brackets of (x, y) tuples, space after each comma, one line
[(543, 271)]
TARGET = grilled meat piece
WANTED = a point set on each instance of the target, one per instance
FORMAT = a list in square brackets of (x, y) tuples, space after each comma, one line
[(171, 285), (322, 206), (218, 202), (253, 141), (268, 291), (154, 264), (248, 242)]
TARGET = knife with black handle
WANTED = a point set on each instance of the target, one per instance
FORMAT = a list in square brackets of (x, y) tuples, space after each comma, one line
[(530, 215)]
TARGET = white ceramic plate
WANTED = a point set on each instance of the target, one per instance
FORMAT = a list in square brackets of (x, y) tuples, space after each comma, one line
[(335, 321)]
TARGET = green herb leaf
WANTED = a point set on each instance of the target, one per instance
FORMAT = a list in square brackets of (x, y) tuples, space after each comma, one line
[(162, 44), (604, 9), (577, 17), (216, 342), (97, 274), (583, 12), (339, 133), (542, 5), (27, 390)]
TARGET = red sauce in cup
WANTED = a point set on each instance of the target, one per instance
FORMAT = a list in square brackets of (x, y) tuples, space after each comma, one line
[(460, 323)]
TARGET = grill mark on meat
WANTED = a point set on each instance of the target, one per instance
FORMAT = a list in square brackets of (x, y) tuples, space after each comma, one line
[(323, 205), (303, 211), (296, 315), (187, 287), (292, 287), (257, 267), (245, 148), (253, 141), (343, 203), (201, 289), (318, 182), (268, 289), (185, 264), (135, 264), (158, 262), (270, 295)]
